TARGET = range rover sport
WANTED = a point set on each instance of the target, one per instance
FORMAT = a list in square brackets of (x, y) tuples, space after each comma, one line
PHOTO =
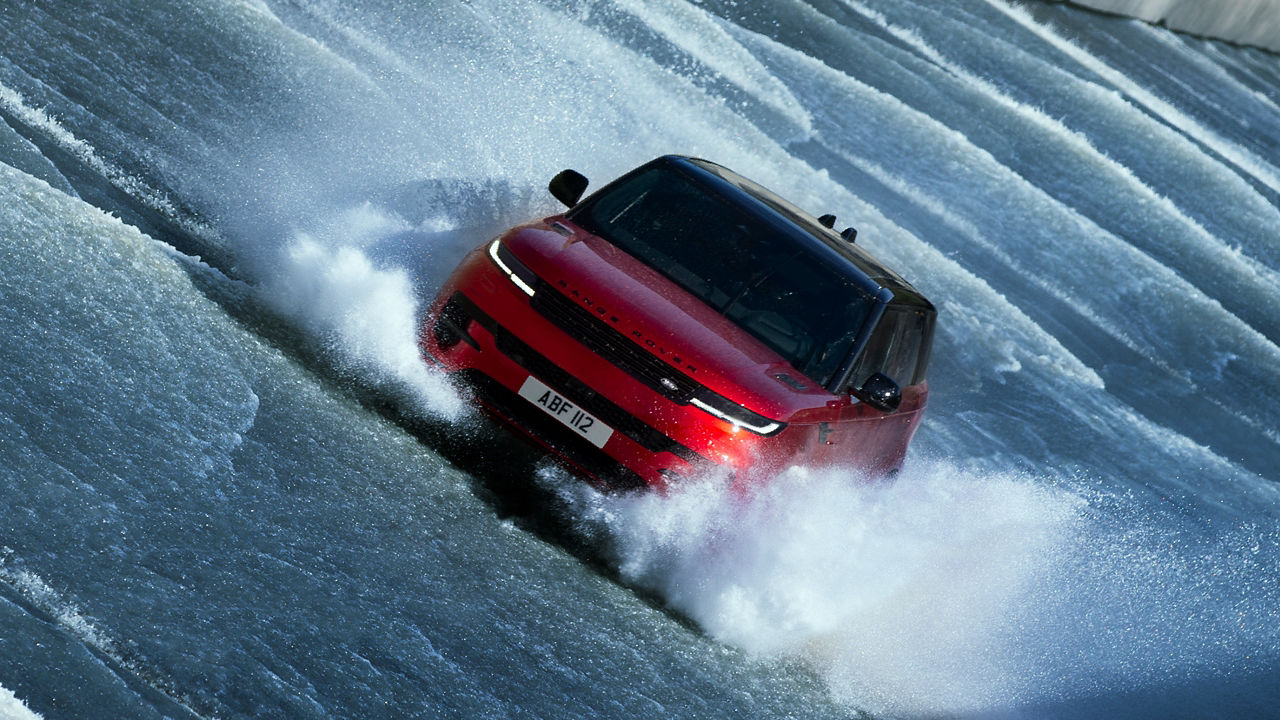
[(684, 318)]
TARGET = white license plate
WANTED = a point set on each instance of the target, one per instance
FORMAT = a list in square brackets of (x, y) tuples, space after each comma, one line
[(574, 417)]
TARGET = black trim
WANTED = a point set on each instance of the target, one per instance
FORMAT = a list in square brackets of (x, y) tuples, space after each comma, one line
[(518, 268), (450, 326), (840, 381)]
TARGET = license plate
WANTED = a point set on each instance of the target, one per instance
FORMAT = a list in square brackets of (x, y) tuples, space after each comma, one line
[(574, 417)]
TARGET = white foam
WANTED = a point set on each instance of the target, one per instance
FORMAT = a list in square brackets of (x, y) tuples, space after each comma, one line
[(364, 315), (894, 593), (11, 708), (949, 590)]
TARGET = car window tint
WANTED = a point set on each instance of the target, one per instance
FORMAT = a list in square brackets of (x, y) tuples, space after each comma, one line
[(899, 347), (784, 294)]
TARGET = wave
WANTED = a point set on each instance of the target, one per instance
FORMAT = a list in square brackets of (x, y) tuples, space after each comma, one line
[(949, 590), (15, 106), (1248, 162), (50, 606)]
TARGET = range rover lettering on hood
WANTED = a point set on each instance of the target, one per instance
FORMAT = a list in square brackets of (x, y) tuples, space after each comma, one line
[(605, 314)]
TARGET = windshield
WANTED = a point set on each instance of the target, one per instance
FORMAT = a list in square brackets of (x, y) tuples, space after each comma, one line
[(788, 294)]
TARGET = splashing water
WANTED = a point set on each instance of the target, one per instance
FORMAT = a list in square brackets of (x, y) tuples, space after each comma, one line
[(892, 592), (947, 590), (364, 315), (12, 708)]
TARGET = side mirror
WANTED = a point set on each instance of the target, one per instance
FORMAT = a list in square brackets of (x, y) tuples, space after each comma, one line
[(567, 186), (880, 392)]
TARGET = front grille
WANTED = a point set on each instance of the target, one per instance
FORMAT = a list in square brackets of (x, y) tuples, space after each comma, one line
[(611, 344)]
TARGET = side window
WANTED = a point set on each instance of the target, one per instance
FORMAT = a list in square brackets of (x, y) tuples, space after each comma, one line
[(899, 347)]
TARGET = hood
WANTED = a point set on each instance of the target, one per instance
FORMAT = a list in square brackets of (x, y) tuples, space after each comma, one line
[(664, 319)]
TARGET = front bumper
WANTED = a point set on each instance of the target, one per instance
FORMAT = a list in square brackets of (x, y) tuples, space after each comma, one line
[(655, 440)]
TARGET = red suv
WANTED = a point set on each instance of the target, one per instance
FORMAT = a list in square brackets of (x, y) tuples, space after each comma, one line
[(681, 318)]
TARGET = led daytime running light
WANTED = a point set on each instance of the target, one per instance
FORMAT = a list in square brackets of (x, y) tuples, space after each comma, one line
[(758, 429), (520, 283)]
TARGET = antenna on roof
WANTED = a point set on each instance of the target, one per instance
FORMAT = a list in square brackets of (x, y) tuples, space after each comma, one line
[(850, 235), (827, 221)]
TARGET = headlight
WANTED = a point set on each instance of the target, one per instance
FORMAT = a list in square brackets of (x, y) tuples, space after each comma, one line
[(519, 274), (733, 413)]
